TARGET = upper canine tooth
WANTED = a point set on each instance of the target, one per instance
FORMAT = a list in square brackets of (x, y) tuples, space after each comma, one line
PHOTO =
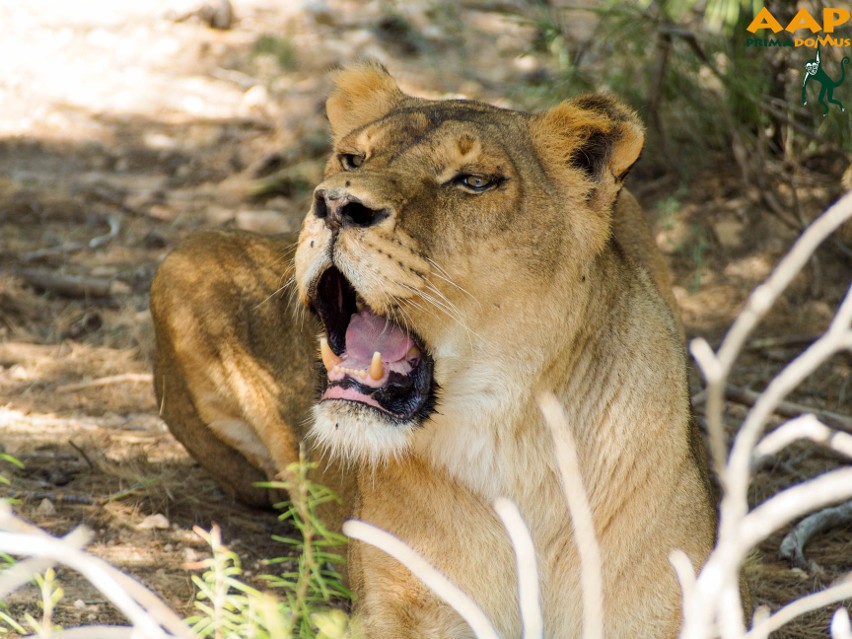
[(329, 359), (413, 352), (377, 371)]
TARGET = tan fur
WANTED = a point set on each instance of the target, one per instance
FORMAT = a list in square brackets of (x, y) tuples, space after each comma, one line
[(547, 282)]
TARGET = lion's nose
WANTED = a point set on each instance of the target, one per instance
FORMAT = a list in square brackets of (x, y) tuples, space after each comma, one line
[(341, 209)]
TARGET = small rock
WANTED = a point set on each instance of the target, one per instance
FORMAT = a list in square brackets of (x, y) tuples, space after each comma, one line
[(154, 240), (158, 522), (46, 508), (119, 289), (729, 233), (79, 604), (255, 100), (190, 555)]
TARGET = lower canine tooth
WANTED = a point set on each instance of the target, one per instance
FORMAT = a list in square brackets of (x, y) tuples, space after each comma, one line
[(377, 371), (329, 359)]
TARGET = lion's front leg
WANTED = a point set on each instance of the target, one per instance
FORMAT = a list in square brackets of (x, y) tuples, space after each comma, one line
[(234, 362), (454, 530)]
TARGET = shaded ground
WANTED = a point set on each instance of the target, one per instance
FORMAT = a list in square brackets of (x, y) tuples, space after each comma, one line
[(125, 128)]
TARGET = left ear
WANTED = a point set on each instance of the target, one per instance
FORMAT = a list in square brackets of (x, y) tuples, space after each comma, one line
[(594, 133), (363, 93)]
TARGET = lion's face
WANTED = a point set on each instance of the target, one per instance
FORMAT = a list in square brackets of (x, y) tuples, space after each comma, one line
[(442, 249)]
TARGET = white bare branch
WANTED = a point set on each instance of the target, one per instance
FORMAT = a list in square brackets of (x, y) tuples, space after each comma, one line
[(591, 577), (803, 427), (712, 605), (150, 617), (423, 570), (840, 626), (818, 600), (529, 594)]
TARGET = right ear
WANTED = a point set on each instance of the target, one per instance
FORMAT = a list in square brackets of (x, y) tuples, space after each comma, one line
[(363, 93)]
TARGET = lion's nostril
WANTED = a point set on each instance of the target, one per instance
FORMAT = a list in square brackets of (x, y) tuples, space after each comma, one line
[(320, 207), (356, 214), (339, 209)]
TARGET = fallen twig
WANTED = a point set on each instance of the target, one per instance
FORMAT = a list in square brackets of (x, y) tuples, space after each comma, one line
[(73, 286), (781, 341), (96, 242), (145, 378), (793, 545), (785, 409)]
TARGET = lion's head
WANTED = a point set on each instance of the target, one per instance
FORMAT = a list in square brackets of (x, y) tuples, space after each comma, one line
[(447, 251)]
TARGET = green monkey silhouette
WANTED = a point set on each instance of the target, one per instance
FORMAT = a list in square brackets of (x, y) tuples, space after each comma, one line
[(813, 69)]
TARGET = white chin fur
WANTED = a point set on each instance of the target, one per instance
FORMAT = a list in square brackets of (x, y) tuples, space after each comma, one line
[(357, 434)]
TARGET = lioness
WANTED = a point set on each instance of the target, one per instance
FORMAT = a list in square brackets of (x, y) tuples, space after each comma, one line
[(458, 259)]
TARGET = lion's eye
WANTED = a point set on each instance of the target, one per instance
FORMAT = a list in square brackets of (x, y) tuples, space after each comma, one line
[(351, 161), (476, 183)]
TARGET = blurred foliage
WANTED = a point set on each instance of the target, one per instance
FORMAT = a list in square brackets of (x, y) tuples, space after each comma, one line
[(685, 67), (279, 48), (8, 459)]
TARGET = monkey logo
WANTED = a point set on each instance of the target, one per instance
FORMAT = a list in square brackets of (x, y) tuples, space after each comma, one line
[(813, 69)]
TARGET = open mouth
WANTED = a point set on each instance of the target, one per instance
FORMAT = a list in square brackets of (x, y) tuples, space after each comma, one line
[(368, 358)]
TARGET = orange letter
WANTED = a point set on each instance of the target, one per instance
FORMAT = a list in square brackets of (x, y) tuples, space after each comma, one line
[(834, 17), (764, 20), (803, 20)]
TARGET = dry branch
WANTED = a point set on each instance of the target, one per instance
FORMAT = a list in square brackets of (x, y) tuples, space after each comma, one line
[(73, 286), (792, 546), (712, 603), (144, 378), (785, 409), (65, 249)]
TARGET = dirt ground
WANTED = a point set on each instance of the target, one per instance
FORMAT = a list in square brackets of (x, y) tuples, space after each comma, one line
[(127, 126)]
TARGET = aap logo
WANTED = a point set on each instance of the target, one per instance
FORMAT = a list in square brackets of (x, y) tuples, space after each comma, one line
[(795, 34), (815, 72)]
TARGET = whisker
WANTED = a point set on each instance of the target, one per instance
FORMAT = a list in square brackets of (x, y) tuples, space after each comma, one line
[(434, 289), (442, 273), (451, 311)]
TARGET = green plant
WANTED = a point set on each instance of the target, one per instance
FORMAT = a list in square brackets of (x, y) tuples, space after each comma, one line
[(4, 481), (228, 608), (51, 594), (315, 581), (695, 250)]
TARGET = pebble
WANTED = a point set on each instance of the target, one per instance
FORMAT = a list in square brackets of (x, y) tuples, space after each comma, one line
[(46, 508), (156, 521)]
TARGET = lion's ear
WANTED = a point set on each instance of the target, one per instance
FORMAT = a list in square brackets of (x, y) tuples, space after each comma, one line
[(593, 132), (362, 93)]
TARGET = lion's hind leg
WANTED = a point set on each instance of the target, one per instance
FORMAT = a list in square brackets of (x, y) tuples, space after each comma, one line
[(234, 365)]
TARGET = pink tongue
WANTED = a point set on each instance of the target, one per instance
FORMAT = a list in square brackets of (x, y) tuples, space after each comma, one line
[(368, 333)]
